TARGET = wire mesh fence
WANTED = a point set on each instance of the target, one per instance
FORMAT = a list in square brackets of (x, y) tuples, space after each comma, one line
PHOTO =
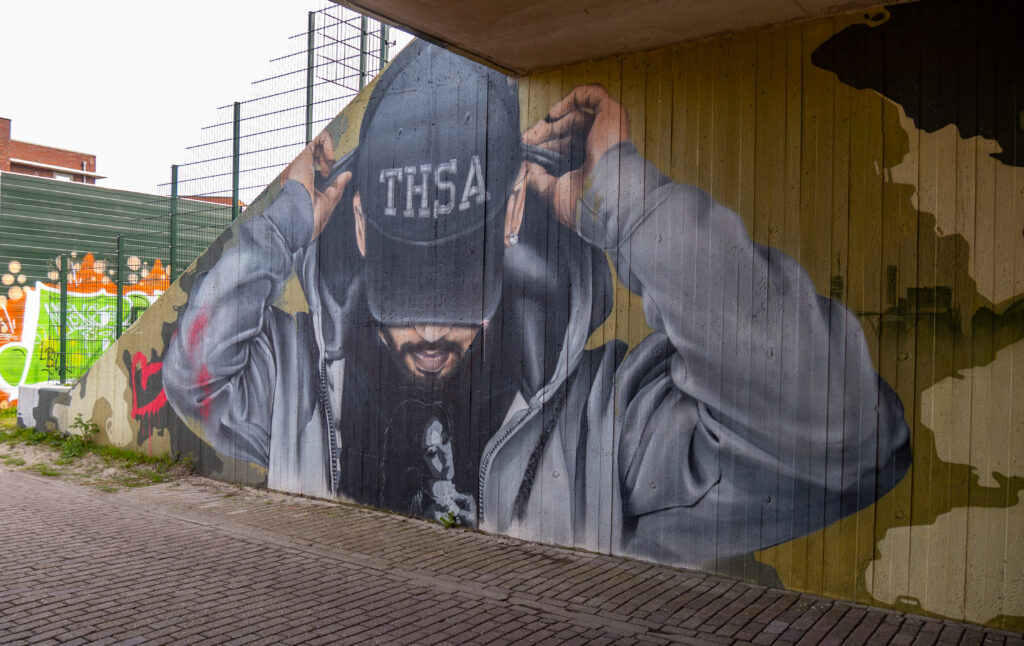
[(254, 139), (79, 264)]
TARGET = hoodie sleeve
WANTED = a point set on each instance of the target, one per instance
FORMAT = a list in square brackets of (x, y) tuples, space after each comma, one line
[(764, 394), (220, 367)]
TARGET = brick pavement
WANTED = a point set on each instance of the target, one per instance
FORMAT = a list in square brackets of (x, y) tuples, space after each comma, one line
[(205, 562)]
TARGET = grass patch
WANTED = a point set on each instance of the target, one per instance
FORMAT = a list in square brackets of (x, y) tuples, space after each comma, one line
[(110, 469), (9, 413), (70, 446), (114, 456), (30, 436), (44, 470), (154, 476)]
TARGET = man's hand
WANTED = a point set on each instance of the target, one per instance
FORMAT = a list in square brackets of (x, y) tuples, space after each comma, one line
[(588, 117), (320, 151)]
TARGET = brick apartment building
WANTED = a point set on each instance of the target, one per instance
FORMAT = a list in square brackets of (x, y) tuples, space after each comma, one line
[(44, 161)]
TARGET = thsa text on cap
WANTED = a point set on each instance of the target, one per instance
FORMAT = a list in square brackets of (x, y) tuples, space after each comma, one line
[(425, 181)]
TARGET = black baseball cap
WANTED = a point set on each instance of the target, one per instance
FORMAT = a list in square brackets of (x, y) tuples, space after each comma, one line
[(439, 149)]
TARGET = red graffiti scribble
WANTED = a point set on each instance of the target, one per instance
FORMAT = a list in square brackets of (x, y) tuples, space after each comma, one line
[(142, 371), (195, 334)]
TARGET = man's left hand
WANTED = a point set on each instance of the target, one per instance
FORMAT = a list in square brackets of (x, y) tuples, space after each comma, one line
[(587, 116)]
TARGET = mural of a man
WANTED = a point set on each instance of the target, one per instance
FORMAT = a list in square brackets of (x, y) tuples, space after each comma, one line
[(454, 273)]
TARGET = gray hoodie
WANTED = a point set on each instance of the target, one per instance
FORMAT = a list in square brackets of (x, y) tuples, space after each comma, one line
[(751, 415)]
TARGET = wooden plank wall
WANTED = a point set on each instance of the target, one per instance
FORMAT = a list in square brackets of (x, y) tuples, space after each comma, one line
[(918, 232)]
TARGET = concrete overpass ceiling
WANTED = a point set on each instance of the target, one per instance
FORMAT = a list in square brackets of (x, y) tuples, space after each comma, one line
[(527, 35)]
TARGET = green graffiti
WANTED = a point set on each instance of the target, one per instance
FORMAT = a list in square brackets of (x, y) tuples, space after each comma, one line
[(12, 363), (91, 329)]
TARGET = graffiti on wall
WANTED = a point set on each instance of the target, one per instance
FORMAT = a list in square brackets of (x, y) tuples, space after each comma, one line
[(31, 315), (443, 369), (751, 304)]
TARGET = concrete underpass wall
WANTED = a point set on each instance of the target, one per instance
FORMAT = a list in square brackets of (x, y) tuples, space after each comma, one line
[(779, 336)]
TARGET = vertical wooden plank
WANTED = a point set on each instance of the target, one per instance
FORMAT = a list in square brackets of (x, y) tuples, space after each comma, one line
[(789, 559), (744, 52), (930, 191), (633, 96), (725, 150), (789, 240), (770, 117), (947, 558), (658, 136), (1008, 594), (934, 356), (690, 107), (980, 542), (704, 130), (746, 59), (545, 91), (682, 166), (892, 338), (816, 158)]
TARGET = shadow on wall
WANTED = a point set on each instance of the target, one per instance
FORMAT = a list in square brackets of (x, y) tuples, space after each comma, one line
[(918, 60), (936, 324)]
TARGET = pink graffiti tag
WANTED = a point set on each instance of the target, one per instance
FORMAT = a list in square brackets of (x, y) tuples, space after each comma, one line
[(142, 371)]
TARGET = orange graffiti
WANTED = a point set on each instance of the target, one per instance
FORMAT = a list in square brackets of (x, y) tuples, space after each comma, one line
[(155, 282), (86, 279)]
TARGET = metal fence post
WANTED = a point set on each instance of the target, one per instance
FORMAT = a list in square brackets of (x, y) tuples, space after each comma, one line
[(174, 223), (63, 369), (310, 43), (362, 52), (120, 285), (235, 162), (383, 45)]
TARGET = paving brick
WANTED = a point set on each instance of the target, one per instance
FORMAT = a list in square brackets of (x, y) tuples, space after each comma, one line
[(175, 565)]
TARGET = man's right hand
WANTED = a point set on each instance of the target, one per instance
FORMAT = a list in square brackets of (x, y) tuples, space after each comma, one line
[(321, 151)]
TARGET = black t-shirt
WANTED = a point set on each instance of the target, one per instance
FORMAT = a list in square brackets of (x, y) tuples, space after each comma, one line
[(398, 437)]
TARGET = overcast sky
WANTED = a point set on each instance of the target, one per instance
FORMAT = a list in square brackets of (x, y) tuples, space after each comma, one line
[(134, 82)]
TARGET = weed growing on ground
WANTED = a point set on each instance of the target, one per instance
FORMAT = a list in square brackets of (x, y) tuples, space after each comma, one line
[(14, 462), (75, 445)]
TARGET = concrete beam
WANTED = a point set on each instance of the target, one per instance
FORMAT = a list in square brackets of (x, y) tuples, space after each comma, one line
[(522, 36)]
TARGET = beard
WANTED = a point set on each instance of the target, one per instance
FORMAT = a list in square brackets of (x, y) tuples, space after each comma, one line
[(426, 364)]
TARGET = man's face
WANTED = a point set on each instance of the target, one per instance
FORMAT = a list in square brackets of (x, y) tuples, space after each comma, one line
[(429, 353)]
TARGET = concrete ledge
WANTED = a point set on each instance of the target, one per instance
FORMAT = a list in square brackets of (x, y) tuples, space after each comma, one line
[(44, 406)]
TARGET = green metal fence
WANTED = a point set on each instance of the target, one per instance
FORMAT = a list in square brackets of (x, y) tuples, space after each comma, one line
[(80, 263)]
